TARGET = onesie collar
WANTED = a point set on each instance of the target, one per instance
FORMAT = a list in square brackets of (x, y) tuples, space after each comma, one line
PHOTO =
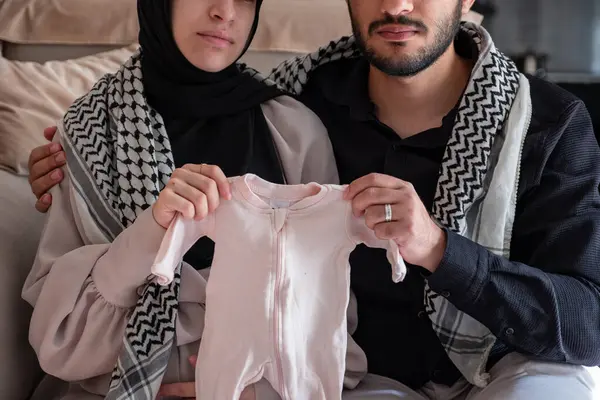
[(254, 189)]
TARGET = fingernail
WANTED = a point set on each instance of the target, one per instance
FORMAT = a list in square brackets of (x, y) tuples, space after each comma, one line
[(54, 147), (46, 199), (55, 175), (60, 157)]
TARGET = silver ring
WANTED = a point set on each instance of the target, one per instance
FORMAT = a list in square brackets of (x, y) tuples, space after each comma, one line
[(388, 213)]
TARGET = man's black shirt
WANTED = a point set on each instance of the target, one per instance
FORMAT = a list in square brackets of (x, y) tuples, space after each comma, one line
[(556, 234)]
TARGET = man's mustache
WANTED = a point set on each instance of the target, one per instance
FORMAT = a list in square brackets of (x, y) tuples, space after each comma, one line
[(399, 20)]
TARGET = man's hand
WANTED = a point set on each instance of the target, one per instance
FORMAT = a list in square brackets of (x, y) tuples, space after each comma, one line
[(44, 170), (420, 240), (187, 390)]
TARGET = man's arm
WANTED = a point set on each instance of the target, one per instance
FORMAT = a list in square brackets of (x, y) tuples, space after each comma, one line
[(546, 300)]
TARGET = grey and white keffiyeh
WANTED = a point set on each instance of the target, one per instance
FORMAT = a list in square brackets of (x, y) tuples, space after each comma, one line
[(119, 159)]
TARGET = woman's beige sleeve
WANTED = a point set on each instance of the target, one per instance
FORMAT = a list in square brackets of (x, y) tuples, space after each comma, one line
[(82, 292), (302, 142)]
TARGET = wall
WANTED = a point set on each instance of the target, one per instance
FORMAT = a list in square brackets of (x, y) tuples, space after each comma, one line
[(567, 30)]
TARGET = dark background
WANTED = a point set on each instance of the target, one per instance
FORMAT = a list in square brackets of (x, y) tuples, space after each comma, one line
[(563, 36)]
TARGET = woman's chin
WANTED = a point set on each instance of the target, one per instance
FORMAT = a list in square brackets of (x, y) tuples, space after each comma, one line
[(212, 61)]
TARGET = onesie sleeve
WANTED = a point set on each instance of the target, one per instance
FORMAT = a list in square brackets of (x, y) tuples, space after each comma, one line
[(179, 238), (360, 233)]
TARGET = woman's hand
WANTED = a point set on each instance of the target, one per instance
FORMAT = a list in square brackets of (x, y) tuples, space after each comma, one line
[(187, 390), (44, 170), (194, 191)]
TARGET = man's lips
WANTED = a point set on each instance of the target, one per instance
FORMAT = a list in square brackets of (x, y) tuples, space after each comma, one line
[(397, 33)]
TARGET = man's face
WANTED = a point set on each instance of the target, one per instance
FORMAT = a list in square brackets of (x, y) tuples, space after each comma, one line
[(405, 37)]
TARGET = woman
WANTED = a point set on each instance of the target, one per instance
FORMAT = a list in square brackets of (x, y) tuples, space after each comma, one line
[(140, 148)]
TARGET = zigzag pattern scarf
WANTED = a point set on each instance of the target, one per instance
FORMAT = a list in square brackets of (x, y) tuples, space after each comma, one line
[(123, 160), (481, 118)]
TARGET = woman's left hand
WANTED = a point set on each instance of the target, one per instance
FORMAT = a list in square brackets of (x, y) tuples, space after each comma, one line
[(187, 390), (420, 240)]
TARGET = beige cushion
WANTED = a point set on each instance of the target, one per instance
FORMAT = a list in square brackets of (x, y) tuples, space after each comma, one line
[(301, 25), (286, 25), (34, 96), (68, 21)]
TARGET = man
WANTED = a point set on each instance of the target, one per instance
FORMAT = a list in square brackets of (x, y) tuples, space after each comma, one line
[(487, 180)]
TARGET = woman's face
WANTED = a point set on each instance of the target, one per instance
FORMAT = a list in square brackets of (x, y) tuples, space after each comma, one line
[(212, 34)]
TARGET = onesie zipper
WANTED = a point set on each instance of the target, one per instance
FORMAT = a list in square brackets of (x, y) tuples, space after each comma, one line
[(279, 222)]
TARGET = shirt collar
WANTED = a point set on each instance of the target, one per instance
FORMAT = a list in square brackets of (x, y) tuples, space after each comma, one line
[(349, 87), (435, 137)]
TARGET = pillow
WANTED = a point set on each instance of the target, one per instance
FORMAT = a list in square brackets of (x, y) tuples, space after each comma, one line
[(301, 25), (34, 96), (69, 21)]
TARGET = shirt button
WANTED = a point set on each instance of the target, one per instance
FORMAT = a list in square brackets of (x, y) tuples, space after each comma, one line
[(510, 332), (437, 374), (422, 314), (446, 294)]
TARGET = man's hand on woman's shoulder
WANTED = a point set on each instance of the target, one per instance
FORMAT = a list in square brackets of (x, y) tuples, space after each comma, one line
[(45, 171)]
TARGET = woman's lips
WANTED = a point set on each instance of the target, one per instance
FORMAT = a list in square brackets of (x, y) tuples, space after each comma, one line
[(216, 39)]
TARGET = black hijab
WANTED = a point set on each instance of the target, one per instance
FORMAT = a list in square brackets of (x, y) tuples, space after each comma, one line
[(179, 89), (212, 118)]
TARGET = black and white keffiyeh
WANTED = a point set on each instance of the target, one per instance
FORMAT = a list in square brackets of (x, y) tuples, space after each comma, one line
[(120, 159)]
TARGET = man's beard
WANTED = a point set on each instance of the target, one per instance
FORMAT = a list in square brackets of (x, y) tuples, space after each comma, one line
[(405, 66)]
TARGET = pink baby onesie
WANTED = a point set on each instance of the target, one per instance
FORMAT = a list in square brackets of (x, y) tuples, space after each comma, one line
[(278, 290)]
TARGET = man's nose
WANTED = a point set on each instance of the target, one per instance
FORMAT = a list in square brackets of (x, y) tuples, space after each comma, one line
[(397, 7)]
